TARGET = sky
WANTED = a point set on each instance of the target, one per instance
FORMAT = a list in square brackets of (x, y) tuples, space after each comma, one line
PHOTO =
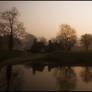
[(43, 18)]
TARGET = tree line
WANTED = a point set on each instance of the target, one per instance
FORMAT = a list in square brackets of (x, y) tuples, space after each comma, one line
[(65, 40), (12, 31)]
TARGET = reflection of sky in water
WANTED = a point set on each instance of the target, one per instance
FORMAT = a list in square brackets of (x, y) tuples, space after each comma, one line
[(52, 77), (83, 85)]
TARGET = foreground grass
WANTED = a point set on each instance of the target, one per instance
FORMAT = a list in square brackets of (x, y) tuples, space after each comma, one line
[(58, 57)]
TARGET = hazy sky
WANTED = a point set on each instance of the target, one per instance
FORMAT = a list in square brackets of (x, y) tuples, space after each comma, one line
[(42, 18)]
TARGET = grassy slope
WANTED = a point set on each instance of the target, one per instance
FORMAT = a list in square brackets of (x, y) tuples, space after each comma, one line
[(68, 58), (5, 54), (16, 57), (64, 58)]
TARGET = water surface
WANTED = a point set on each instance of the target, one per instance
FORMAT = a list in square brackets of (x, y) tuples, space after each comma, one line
[(45, 77)]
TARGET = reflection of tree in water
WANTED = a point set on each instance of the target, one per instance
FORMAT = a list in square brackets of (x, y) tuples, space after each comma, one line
[(10, 80), (2, 79), (86, 74), (36, 67), (53, 66), (40, 67), (66, 78)]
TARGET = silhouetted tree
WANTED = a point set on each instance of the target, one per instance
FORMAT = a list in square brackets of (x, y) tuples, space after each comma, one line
[(38, 46), (66, 37), (34, 47), (14, 27), (55, 43), (3, 34), (42, 42), (3, 29), (50, 46), (86, 40)]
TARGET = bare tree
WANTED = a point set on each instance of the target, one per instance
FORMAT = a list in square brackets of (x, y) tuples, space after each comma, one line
[(67, 36), (4, 30), (86, 40), (10, 17), (3, 34)]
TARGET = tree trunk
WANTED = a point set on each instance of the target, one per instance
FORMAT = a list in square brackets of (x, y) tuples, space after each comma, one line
[(11, 40)]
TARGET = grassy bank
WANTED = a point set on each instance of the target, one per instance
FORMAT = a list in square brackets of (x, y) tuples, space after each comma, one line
[(6, 54), (17, 57), (58, 57), (67, 58)]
